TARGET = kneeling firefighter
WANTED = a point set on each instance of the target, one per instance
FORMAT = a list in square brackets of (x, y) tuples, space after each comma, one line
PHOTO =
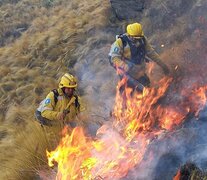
[(62, 105), (129, 55)]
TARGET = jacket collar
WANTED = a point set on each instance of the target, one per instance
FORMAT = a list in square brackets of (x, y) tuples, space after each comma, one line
[(61, 93)]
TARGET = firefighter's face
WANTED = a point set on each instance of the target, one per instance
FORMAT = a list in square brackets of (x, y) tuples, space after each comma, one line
[(134, 38), (68, 91)]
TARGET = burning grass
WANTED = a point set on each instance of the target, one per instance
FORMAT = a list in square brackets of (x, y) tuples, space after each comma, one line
[(120, 145)]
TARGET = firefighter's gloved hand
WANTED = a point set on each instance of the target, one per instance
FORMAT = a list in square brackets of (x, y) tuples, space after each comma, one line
[(61, 116), (123, 66)]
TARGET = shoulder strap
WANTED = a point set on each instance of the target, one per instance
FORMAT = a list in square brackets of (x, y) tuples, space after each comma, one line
[(124, 39), (77, 104), (56, 94)]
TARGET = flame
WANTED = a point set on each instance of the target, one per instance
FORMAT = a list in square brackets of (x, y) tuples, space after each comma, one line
[(177, 176), (120, 145)]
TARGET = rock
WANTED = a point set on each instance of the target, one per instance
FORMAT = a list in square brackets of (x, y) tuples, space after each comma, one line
[(127, 9)]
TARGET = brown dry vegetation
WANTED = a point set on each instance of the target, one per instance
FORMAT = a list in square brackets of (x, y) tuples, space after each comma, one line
[(31, 65)]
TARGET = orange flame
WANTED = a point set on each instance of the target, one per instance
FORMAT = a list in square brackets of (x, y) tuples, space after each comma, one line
[(121, 144), (177, 176)]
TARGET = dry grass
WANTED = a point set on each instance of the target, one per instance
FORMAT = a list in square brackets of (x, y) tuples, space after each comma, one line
[(27, 152), (31, 64)]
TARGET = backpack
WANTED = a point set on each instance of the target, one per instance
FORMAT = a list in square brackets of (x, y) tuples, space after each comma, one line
[(137, 52), (47, 122)]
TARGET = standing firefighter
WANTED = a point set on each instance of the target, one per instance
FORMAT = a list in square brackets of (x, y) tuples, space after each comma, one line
[(129, 55), (61, 105)]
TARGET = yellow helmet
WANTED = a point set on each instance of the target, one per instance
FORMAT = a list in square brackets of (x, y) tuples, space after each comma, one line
[(135, 29), (68, 80)]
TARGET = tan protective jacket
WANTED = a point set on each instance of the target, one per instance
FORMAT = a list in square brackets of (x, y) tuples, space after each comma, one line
[(120, 55), (50, 110)]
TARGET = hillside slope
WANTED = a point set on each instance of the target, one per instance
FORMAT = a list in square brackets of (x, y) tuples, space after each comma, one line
[(40, 40)]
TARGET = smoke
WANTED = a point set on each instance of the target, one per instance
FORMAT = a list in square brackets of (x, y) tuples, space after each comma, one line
[(166, 154), (173, 149), (98, 80)]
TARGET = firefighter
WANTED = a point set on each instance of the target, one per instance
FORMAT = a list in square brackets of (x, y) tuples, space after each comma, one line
[(61, 105), (129, 55)]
